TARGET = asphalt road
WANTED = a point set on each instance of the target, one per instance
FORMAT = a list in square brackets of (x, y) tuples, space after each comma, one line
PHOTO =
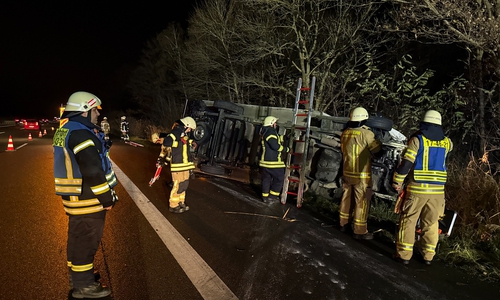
[(228, 245)]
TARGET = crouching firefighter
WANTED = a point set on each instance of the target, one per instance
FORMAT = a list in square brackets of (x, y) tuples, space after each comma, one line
[(85, 180), (423, 170), (176, 150)]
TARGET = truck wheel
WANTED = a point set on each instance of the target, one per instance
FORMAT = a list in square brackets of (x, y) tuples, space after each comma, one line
[(202, 133), (379, 122), (229, 106)]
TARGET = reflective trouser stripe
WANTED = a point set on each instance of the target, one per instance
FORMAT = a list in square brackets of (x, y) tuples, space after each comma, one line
[(356, 202), (82, 268), (427, 208), (272, 181), (84, 237), (175, 196)]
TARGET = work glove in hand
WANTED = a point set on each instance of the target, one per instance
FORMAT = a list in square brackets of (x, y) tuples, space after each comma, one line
[(161, 161)]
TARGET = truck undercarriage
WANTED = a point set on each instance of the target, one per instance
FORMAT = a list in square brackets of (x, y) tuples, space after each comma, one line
[(228, 141)]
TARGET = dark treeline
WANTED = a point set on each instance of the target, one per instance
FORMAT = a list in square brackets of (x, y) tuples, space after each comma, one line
[(396, 58)]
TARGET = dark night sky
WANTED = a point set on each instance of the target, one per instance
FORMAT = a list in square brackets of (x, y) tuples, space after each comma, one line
[(48, 51)]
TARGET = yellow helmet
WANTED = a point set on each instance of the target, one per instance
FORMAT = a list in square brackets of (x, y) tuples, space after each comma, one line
[(432, 116), (189, 122), (270, 120), (82, 101), (359, 114)]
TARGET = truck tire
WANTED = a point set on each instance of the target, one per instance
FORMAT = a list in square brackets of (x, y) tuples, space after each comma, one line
[(202, 133), (328, 165), (379, 123), (228, 106)]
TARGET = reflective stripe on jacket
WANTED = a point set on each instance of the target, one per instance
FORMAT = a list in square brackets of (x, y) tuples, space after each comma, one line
[(82, 194), (428, 174), (358, 145), (182, 159), (272, 147)]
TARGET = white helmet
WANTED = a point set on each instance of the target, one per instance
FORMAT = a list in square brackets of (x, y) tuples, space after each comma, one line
[(189, 122), (123, 118), (269, 121), (359, 114), (105, 118), (432, 116), (155, 137), (82, 101)]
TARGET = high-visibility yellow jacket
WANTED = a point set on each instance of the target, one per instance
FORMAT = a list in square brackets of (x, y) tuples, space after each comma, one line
[(358, 145), (182, 159), (423, 165), (82, 169), (272, 147)]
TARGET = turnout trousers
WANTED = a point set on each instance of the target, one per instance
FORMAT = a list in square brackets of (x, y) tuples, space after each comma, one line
[(84, 236), (180, 184), (355, 204), (428, 208), (272, 181)]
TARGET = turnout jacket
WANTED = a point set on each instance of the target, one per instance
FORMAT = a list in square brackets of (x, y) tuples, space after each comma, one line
[(272, 147), (124, 126), (82, 169), (424, 164), (180, 144), (358, 145), (105, 127)]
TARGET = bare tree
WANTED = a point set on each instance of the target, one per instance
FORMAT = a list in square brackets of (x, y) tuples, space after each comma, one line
[(326, 39), (471, 24), (154, 83)]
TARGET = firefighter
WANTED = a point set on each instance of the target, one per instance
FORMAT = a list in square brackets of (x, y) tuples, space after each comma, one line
[(358, 145), (176, 150), (124, 128), (423, 171), (105, 128), (271, 163), (85, 181)]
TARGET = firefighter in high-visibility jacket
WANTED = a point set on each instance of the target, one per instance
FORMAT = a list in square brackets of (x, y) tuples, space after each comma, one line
[(271, 164), (423, 171), (358, 145), (124, 128), (176, 150), (85, 180), (105, 128)]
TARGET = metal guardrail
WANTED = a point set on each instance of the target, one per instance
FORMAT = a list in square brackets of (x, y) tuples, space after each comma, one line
[(7, 122)]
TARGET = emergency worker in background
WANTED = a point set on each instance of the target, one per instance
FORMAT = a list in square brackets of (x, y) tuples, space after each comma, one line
[(271, 164), (358, 145), (423, 171), (176, 150), (85, 180), (124, 128), (105, 128)]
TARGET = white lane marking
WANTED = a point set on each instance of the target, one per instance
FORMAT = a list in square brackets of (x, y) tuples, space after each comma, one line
[(206, 281), (21, 146)]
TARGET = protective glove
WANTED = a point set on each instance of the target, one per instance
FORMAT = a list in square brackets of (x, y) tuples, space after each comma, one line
[(397, 187), (161, 161)]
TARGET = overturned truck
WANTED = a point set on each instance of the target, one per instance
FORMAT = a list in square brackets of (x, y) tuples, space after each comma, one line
[(228, 138)]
